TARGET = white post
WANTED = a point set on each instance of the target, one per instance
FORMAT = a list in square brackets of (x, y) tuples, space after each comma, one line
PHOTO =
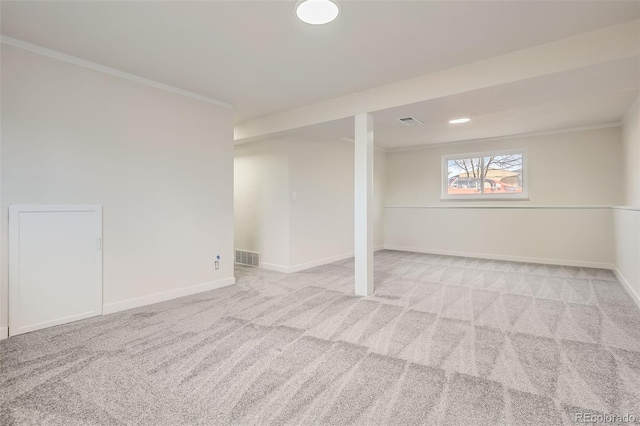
[(364, 204)]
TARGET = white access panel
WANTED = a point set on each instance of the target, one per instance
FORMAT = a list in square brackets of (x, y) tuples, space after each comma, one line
[(55, 265)]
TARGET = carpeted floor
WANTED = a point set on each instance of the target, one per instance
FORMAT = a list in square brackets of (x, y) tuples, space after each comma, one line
[(445, 340)]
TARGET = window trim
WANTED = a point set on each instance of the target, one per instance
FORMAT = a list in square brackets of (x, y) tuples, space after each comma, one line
[(523, 196)]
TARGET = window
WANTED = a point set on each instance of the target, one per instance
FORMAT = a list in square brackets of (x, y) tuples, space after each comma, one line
[(487, 175)]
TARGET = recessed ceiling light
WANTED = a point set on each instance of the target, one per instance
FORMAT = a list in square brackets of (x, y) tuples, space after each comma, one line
[(459, 120), (317, 12)]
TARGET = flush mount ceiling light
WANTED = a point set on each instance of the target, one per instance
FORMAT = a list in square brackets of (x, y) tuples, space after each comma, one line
[(317, 12), (459, 120)]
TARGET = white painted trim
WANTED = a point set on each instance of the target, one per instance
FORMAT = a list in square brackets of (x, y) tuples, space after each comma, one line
[(274, 267), (505, 137), (627, 286), (270, 138), (444, 185), (59, 321), (628, 208), (15, 210), (307, 265), (33, 48), (628, 113), (541, 260), (150, 299), (363, 204), (4, 333), (319, 262), (522, 207), (353, 142)]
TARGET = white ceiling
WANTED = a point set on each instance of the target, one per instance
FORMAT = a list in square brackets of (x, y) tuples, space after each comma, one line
[(259, 57), (589, 96)]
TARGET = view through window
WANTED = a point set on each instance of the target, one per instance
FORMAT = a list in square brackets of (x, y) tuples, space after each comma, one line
[(497, 175)]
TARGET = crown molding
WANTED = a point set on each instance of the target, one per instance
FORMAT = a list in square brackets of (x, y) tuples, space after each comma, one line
[(298, 138), (33, 48), (505, 137), (353, 142), (628, 113)]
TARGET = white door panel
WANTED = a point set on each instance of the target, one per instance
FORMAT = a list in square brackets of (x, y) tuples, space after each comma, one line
[(55, 265)]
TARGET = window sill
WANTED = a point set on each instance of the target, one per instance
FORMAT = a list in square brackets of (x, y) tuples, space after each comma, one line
[(485, 198)]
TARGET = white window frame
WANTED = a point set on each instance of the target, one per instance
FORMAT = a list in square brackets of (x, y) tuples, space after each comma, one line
[(524, 195)]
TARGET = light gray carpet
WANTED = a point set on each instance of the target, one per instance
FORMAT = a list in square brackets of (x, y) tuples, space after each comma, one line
[(445, 340)]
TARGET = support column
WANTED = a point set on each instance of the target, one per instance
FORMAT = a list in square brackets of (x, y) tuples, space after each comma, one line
[(363, 208)]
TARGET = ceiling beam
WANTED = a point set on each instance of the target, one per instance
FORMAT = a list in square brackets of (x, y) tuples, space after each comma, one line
[(603, 45)]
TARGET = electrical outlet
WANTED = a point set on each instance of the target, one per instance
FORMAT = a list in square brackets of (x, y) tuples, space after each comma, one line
[(295, 196), (217, 265)]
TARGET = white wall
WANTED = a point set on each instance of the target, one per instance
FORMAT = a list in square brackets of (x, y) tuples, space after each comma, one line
[(261, 200), (319, 223), (557, 236), (627, 249), (627, 219), (566, 171), (631, 155), (161, 165), (321, 174), (574, 168)]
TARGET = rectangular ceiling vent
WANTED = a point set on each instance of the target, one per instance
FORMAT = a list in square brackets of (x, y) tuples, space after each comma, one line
[(410, 121), (249, 258)]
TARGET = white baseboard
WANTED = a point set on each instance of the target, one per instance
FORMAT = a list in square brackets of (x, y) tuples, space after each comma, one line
[(4, 333), (307, 265), (627, 286), (274, 267), (302, 266), (545, 261), (110, 308)]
